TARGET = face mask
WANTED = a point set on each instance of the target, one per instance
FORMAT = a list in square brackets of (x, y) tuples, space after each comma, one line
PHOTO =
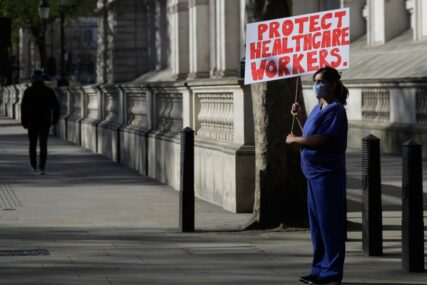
[(320, 90)]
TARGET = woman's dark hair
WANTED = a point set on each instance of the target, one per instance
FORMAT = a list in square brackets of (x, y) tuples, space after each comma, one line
[(331, 75)]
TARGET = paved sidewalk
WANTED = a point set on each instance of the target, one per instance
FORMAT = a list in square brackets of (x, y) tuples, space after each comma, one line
[(102, 223)]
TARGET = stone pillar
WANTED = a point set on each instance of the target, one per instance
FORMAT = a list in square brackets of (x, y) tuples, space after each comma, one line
[(243, 22), (29, 53), (357, 21), (410, 6), (150, 17), (212, 37), (403, 97), (24, 54), (385, 20), (199, 38), (157, 35), (179, 34), (101, 57), (161, 35), (35, 60), (228, 37), (418, 11)]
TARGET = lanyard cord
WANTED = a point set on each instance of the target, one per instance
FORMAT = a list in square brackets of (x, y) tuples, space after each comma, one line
[(296, 98)]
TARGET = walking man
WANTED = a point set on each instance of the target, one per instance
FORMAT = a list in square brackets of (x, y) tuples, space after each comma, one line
[(39, 110)]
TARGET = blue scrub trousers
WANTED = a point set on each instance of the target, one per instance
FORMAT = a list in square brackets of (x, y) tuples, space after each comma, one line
[(327, 218)]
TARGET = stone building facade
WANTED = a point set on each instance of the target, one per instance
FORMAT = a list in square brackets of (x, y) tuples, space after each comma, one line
[(181, 38), (166, 64), (186, 54)]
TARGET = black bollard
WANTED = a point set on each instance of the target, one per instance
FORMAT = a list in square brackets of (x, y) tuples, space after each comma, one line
[(412, 208), (186, 202), (372, 236)]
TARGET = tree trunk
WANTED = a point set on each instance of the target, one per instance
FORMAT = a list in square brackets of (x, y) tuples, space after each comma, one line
[(280, 187)]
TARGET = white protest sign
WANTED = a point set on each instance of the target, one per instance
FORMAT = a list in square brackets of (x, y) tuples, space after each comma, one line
[(296, 46)]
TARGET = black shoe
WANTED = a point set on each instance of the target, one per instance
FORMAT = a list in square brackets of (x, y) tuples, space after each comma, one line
[(309, 279), (327, 281), (42, 172)]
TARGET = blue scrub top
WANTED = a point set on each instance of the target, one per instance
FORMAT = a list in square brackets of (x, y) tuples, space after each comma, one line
[(330, 156)]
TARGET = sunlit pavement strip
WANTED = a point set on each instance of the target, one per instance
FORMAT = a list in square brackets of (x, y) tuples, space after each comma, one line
[(102, 223)]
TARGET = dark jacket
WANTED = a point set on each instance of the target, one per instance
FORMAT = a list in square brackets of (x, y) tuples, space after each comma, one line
[(40, 107)]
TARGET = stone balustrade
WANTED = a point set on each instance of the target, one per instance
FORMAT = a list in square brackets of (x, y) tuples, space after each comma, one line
[(164, 140), (394, 111), (20, 89), (92, 117), (136, 113), (376, 105), (216, 116), (136, 125), (73, 121), (223, 121), (13, 99), (139, 125), (168, 112), (3, 100), (63, 95), (6, 91), (108, 128)]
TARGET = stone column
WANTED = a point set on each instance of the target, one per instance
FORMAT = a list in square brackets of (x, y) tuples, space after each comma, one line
[(141, 38), (157, 35), (385, 20), (212, 37), (179, 33), (410, 6), (24, 54), (243, 22), (101, 57), (35, 61), (199, 38), (418, 11), (228, 37), (357, 21), (151, 34), (161, 35)]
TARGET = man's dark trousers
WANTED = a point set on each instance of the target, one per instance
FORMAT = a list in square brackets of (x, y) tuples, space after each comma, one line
[(39, 110), (38, 133)]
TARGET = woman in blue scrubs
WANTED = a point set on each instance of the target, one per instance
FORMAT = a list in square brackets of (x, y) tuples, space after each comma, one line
[(323, 146)]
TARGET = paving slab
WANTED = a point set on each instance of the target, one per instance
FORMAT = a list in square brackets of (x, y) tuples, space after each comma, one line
[(103, 223)]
